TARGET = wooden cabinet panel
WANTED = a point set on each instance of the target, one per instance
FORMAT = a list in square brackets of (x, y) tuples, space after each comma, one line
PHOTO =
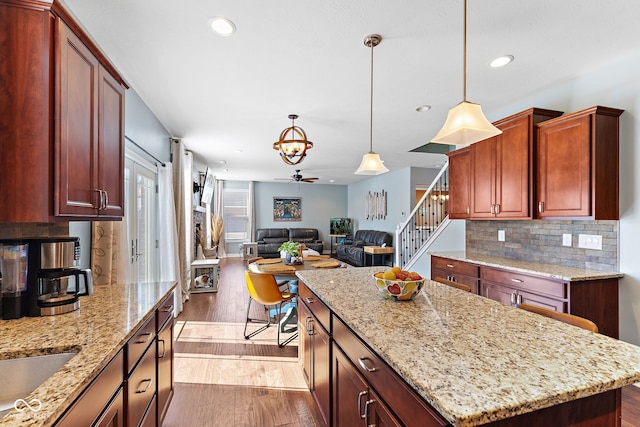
[(350, 392), (459, 183), (378, 414), (525, 282), (76, 126), (473, 282), (316, 306), (483, 178), (455, 266), (88, 407), (137, 344), (113, 416), (577, 160), (165, 350), (140, 387)]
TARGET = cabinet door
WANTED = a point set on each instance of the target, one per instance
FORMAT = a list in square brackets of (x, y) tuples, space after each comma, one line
[(378, 414), (111, 145), (483, 178), (113, 416), (563, 169), (500, 293), (76, 177), (321, 344), (304, 317), (513, 169), (542, 301), (459, 183), (165, 369), (350, 392)]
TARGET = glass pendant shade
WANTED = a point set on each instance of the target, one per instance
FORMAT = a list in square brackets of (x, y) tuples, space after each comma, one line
[(371, 165), (465, 125)]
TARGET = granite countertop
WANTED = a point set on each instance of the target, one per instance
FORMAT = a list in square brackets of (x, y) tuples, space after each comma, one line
[(554, 271), (97, 331), (473, 359)]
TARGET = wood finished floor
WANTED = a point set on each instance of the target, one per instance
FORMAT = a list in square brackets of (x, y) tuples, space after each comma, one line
[(221, 379)]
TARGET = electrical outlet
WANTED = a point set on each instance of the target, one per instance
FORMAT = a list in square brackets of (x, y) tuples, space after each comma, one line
[(566, 239), (590, 241), (501, 236)]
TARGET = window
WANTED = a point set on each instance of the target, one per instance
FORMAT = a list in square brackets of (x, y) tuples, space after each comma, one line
[(236, 214)]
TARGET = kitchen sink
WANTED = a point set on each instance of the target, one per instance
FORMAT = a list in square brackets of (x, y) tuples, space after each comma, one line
[(21, 376)]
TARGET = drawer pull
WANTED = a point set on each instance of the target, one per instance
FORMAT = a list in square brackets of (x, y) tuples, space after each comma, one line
[(310, 326), (160, 356), (167, 308), (541, 207), (148, 381), (513, 298), (364, 365), (519, 299), (517, 280), (362, 393), (142, 340), (450, 265), (366, 411), (309, 300)]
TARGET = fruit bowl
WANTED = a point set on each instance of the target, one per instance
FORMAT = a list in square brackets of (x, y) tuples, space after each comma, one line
[(398, 290)]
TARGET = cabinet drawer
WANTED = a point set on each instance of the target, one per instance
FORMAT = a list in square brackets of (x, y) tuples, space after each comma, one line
[(164, 312), (90, 404), (455, 266), (317, 307), (409, 407), (456, 277), (138, 343), (525, 282), (141, 387)]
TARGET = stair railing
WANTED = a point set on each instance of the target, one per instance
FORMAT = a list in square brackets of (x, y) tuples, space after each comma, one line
[(429, 213)]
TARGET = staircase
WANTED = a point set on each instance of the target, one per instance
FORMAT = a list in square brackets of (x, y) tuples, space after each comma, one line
[(425, 223)]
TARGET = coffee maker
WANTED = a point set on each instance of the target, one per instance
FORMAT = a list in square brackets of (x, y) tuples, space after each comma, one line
[(47, 279)]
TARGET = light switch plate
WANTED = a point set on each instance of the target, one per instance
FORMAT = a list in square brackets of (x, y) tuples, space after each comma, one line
[(590, 241), (566, 239), (501, 236)]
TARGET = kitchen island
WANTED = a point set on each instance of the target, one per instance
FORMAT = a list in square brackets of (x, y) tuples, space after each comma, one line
[(476, 361), (97, 331)]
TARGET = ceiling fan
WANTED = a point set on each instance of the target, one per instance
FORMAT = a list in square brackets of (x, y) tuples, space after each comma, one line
[(296, 177)]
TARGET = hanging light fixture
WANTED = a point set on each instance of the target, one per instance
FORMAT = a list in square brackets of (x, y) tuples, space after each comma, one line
[(371, 163), (465, 122), (293, 150)]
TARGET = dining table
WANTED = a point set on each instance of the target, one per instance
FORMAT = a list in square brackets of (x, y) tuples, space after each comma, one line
[(283, 271)]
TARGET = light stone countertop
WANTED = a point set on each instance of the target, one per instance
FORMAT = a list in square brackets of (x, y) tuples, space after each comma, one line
[(473, 359), (554, 271), (98, 330)]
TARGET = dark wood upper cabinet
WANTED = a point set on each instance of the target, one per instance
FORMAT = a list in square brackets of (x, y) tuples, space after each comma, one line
[(501, 168), (577, 172), (62, 115), (459, 183)]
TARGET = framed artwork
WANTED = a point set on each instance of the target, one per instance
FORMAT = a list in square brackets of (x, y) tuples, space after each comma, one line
[(287, 209)]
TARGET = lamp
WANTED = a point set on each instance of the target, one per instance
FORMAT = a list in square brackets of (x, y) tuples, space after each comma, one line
[(371, 163), (465, 122), (294, 149)]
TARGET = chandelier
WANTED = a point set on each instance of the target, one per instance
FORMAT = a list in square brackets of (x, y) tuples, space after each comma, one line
[(293, 143)]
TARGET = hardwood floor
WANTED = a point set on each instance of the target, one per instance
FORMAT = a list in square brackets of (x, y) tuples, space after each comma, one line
[(221, 379)]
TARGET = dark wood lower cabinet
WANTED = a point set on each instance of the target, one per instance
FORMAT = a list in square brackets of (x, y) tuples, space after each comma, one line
[(165, 369), (113, 416)]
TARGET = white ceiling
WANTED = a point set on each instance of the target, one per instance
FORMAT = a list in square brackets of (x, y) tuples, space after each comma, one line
[(222, 94)]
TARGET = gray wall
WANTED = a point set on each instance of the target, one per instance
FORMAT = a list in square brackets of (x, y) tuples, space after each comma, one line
[(320, 202)]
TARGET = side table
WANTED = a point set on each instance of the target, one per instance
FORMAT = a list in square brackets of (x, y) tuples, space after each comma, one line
[(332, 244), (211, 267), (370, 253)]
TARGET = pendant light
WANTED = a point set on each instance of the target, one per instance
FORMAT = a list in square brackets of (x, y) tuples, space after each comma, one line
[(465, 122), (371, 163), (294, 149)]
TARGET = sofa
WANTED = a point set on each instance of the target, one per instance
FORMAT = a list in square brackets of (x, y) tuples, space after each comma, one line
[(353, 253), (270, 239)]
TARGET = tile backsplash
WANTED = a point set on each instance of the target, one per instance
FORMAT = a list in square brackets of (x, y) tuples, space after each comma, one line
[(541, 240)]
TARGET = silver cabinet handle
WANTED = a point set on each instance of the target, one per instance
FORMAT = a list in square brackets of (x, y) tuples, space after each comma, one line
[(309, 300), (99, 201), (450, 265), (364, 365), (366, 412), (106, 200), (517, 280), (519, 299), (540, 207), (141, 340), (467, 210), (362, 393), (513, 298), (166, 308), (310, 326), (148, 381), (164, 348), (497, 209)]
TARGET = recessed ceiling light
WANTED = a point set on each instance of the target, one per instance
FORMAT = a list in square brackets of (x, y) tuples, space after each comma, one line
[(222, 26), (223, 162), (422, 108), (332, 180), (501, 61)]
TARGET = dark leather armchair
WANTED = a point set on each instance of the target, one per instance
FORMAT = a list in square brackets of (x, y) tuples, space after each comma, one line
[(354, 253), (308, 236), (269, 240)]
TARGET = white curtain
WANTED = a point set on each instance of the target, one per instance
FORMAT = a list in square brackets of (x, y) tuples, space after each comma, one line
[(168, 238), (252, 213), (182, 164), (218, 209)]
